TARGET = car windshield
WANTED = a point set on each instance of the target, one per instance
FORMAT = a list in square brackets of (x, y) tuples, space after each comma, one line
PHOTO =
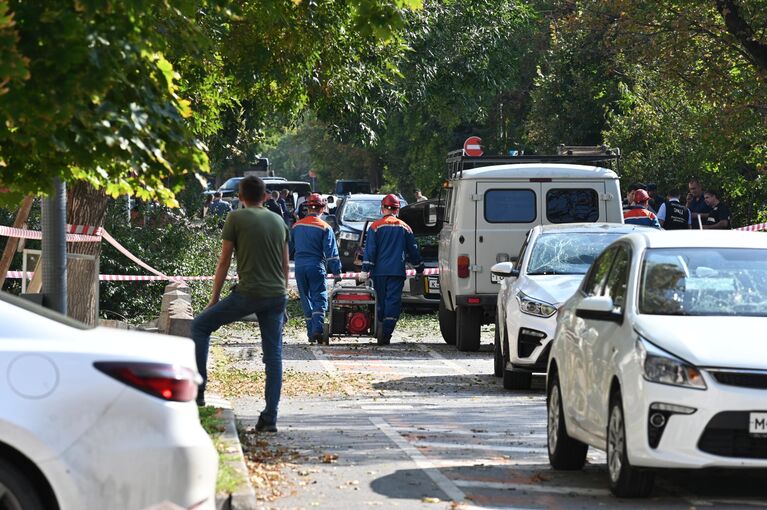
[(704, 281), (567, 253), (231, 184), (361, 210)]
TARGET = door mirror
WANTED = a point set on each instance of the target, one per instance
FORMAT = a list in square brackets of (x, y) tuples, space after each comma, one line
[(504, 270), (598, 308), (330, 219)]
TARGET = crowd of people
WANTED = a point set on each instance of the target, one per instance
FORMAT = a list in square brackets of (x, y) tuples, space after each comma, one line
[(702, 208)]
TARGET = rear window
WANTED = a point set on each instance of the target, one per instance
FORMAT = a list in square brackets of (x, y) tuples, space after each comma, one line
[(510, 206), (572, 205)]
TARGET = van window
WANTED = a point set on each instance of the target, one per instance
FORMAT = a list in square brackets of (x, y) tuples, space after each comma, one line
[(572, 205), (510, 206)]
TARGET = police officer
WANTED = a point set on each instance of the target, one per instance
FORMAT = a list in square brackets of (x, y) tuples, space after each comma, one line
[(389, 243), (312, 245), (673, 215)]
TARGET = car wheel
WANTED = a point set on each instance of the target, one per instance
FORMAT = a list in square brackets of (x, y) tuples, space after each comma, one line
[(565, 453), (498, 363), (16, 491), (517, 379), (446, 323), (626, 481), (468, 323)]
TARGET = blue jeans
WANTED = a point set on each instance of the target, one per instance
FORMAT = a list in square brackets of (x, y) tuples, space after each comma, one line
[(314, 297), (389, 301), (270, 312)]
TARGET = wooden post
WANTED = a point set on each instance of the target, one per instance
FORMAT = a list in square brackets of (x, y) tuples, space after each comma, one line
[(13, 242)]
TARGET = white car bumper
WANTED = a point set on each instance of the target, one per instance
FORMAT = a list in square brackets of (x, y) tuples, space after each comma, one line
[(142, 459), (716, 434), (527, 329)]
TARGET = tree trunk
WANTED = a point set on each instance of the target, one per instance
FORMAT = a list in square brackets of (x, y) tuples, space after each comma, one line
[(86, 206), (13, 242)]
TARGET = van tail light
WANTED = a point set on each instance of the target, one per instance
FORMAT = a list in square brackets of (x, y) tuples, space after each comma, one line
[(463, 266), (162, 380)]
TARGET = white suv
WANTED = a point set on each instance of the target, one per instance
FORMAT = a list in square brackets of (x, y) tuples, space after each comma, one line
[(551, 265), (491, 202)]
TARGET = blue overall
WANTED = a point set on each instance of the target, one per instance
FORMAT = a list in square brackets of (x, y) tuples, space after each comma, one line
[(312, 245), (388, 245)]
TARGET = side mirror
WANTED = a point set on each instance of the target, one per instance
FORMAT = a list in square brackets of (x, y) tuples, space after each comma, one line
[(504, 270), (330, 219), (598, 308)]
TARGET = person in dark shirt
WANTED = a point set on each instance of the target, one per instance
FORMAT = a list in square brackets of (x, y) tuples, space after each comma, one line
[(273, 204), (719, 217), (673, 215), (696, 204)]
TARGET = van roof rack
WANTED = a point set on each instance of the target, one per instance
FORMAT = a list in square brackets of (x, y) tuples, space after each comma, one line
[(457, 162)]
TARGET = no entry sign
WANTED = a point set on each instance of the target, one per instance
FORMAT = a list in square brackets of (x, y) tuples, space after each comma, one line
[(472, 146)]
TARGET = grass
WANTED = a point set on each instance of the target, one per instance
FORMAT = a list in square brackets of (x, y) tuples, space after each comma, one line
[(228, 479)]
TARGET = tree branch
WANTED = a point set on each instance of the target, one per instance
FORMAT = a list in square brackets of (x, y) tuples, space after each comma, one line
[(743, 32)]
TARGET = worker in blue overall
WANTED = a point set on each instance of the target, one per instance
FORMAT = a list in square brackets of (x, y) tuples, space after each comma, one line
[(389, 244), (312, 245)]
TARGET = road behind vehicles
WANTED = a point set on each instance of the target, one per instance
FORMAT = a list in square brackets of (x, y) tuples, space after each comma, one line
[(659, 358), (353, 213), (491, 202), (98, 418), (550, 266)]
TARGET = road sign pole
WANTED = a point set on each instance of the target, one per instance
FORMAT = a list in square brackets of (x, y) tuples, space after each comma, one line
[(54, 245)]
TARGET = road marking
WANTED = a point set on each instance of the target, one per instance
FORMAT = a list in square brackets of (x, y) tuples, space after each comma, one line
[(443, 482), (458, 446), (385, 407), (543, 489), (453, 365), (324, 361)]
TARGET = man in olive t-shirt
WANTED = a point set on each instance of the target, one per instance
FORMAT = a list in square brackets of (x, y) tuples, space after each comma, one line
[(259, 240)]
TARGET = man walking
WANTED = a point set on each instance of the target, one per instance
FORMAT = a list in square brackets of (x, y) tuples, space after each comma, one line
[(259, 239), (673, 215), (390, 242), (312, 245)]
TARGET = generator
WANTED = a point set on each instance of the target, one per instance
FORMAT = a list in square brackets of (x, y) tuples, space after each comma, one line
[(352, 312)]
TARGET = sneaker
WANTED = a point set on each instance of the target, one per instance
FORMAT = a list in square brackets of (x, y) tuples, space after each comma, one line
[(200, 400), (312, 339), (318, 338), (262, 426)]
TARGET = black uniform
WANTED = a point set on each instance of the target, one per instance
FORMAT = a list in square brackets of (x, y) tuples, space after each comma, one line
[(677, 216), (719, 213)]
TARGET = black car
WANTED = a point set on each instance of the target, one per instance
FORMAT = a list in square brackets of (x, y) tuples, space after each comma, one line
[(353, 213)]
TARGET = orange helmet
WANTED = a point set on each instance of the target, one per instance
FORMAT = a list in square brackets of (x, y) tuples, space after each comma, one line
[(640, 196), (315, 200), (391, 201)]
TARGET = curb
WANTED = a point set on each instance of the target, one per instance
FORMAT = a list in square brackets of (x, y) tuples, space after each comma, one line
[(245, 497)]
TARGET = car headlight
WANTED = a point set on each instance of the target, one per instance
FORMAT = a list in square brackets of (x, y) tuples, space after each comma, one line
[(349, 236), (662, 367), (532, 306)]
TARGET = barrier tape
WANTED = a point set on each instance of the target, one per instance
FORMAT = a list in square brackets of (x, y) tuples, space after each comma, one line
[(36, 234), (143, 277), (758, 227), (111, 240), (87, 230)]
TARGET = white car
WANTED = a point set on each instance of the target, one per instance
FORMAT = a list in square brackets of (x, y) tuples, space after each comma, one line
[(98, 418), (550, 266), (660, 358)]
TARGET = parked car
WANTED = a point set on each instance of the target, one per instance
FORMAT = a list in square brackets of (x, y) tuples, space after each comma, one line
[(550, 266), (352, 214), (660, 359), (231, 187), (491, 204), (98, 418), (422, 217)]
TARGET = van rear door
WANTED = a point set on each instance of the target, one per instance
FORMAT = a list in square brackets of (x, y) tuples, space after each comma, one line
[(505, 211), (573, 202)]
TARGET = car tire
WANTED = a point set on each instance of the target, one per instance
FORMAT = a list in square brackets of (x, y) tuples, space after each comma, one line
[(517, 379), (498, 361), (565, 453), (467, 325), (17, 490), (447, 322), (626, 481)]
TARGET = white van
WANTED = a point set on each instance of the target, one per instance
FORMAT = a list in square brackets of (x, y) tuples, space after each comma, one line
[(491, 202)]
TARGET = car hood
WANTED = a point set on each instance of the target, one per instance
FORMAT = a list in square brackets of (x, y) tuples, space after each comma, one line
[(727, 342), (553, 289), (353, 226)]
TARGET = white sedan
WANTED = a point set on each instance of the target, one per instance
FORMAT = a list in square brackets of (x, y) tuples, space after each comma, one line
[(660, 358), (550, 267), (98, 418)]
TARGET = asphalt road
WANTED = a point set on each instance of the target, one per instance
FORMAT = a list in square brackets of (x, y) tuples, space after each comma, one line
[(419, 425)]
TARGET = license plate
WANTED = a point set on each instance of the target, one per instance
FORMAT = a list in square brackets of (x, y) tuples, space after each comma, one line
[(495, 279), (757, 424), (433, 283)]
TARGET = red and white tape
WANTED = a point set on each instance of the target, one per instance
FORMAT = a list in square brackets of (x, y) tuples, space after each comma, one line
[(36, 234), (758, 227), (153, 278)]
